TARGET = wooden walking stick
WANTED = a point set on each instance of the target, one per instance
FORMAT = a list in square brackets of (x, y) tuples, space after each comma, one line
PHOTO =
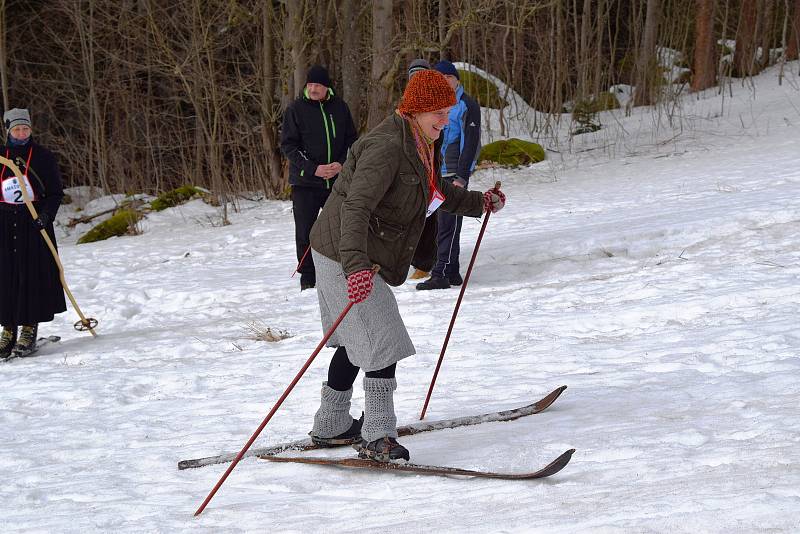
[(458, 305), (84, 323)]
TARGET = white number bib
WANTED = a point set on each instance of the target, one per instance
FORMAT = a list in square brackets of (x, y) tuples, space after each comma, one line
[(12, 193), (436, 200)]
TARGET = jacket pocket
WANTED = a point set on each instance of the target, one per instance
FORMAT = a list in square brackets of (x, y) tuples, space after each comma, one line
[(402, 195), (409, 178), (388, 231)]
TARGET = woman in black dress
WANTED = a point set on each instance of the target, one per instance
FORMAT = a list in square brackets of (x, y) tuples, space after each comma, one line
[(30, 287)]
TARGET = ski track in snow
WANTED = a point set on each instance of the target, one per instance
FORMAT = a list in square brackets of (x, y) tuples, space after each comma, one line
[(660, 284)]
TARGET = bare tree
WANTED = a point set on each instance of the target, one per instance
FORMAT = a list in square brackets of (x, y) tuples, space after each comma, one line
[(647, 73), (793, 42), (441, 21), (296, 43), (269, 108), (744, 57), (381, 60), (764, 32), (705, 72), (352, 87), (3, 77)]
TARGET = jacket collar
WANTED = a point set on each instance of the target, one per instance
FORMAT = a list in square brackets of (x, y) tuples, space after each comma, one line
[(410, 151), (409, 148)]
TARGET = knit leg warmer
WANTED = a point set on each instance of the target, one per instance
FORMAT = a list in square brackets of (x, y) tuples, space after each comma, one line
[(379, 418), (333, 416)]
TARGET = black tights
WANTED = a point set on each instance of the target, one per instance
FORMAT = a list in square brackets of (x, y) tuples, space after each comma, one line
[(342, 374)]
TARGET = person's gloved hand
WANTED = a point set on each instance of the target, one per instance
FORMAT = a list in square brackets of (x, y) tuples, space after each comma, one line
[(359, 285), (493, 200), (42, 221)]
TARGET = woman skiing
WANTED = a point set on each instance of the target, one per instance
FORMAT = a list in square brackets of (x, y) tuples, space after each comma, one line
[(30, 287), (375, 215)]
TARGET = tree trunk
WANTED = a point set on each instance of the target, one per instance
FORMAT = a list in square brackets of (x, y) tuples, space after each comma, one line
[(558, 78), (441, 19), (381, 60), (646, 67), (705, 70), (600, 61), (793, 44), (583, 57), (269, 134), (765, 32), (3, 77), (351, 58), (744, 58), (296, 44)]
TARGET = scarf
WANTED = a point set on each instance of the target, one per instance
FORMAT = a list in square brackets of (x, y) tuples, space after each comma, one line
[(424, 147), (13, 141)]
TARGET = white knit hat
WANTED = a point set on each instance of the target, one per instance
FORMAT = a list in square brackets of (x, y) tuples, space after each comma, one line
[(16, 117)]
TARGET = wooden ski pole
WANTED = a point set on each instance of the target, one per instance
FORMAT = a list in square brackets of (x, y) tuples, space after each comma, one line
[(300, 263), (277, 405), (455, 311), (87, 324)]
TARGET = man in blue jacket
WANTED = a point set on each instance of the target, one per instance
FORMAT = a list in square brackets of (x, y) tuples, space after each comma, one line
[(460, 153), (317, 133)]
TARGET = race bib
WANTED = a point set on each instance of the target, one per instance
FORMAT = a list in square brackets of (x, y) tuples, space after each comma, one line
[(437, 198), (12, 193)]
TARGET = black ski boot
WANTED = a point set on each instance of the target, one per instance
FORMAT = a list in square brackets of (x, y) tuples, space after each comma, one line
[(455, 280), (348, 437), (26, 343), (434, 282), (382, 450), (7, 340)]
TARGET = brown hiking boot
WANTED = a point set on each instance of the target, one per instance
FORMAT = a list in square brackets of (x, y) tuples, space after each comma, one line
[(7, 340), (26, 343)]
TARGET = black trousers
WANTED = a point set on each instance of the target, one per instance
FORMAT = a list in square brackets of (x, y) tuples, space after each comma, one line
[(342, 374), (306, 205), (448, 245)]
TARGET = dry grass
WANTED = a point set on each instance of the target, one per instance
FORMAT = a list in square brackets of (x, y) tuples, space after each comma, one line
[(258, 331)]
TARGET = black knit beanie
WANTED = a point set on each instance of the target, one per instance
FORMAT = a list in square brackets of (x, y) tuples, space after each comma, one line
[(318, 74)]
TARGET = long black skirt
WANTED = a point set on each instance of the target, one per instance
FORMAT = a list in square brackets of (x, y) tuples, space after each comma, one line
[(30, 288)]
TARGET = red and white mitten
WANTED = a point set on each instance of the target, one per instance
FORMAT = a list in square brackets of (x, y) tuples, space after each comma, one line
[(493, 200), (359, 285)]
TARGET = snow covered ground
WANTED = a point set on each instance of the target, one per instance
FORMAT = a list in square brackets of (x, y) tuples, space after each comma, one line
[(657, 275)]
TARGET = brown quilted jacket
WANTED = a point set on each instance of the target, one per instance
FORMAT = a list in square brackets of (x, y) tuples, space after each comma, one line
[(376, 211)]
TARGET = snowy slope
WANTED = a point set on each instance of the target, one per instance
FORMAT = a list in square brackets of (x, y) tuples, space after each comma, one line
[(656, 275)]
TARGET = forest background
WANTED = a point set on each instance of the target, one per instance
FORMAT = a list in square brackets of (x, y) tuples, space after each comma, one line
[(147, 95)]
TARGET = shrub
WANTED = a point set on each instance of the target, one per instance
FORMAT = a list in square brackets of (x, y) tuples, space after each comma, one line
[(584, 114), (512, 152)]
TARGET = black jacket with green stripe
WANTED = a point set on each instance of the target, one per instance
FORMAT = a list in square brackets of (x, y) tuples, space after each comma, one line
[(316, 133)]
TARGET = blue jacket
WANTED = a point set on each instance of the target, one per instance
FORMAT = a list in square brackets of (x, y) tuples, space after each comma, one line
[(462, 136)]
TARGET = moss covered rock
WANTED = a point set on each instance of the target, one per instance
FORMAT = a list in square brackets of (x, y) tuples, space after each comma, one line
[(121, 223), (512, 152), (176, 197), (482, 90)]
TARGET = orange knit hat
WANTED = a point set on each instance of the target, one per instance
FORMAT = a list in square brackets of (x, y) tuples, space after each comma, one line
[(427, 90)]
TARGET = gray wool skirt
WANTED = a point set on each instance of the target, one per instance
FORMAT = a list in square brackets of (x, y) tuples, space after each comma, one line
[(372, 331)]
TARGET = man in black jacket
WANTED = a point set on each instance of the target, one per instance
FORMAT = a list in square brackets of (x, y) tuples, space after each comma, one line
[(316, 135)]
